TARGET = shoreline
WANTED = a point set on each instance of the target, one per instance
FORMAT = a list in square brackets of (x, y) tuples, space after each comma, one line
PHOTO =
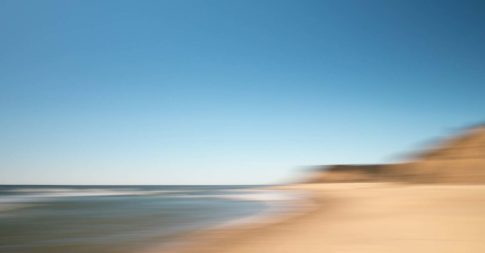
[(205, 238), (364, 217)]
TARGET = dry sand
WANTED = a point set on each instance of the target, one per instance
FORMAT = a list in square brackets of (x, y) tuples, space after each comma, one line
[(369, 217)]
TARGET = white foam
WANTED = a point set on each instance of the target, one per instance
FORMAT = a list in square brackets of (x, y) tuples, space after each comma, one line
[(279, 204), (259, 196), (250, 195), (70, 192)]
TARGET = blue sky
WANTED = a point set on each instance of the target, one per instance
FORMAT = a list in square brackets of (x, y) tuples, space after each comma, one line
[(229, 92)]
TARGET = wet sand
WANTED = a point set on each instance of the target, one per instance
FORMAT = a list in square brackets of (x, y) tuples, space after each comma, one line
[(367, 217)]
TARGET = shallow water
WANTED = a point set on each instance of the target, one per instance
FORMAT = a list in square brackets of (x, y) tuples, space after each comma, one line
[(103, 219)]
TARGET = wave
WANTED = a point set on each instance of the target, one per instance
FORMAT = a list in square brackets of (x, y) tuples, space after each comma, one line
[(250, 195), (16, 198), (72, 192)]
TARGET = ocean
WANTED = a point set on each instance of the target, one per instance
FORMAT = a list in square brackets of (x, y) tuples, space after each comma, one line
[(106, 219)]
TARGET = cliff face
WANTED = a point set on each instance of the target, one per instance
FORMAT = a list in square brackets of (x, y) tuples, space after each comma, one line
[(458, 160)]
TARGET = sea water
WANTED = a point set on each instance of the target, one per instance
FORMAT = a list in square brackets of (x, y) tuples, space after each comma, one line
[(104, 219)]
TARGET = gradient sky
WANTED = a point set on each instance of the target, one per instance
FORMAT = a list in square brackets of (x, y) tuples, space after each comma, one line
[(229, 92)]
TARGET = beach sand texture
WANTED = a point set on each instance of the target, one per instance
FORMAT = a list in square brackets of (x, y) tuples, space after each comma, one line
[(370, 217)]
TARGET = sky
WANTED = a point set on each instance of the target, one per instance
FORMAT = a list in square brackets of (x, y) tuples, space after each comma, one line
[(229, 91)]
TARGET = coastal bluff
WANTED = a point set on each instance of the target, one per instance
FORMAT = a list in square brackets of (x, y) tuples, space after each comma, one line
[(459, 159)]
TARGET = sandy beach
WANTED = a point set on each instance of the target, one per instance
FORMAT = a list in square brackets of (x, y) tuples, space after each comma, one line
[(368, 217)]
